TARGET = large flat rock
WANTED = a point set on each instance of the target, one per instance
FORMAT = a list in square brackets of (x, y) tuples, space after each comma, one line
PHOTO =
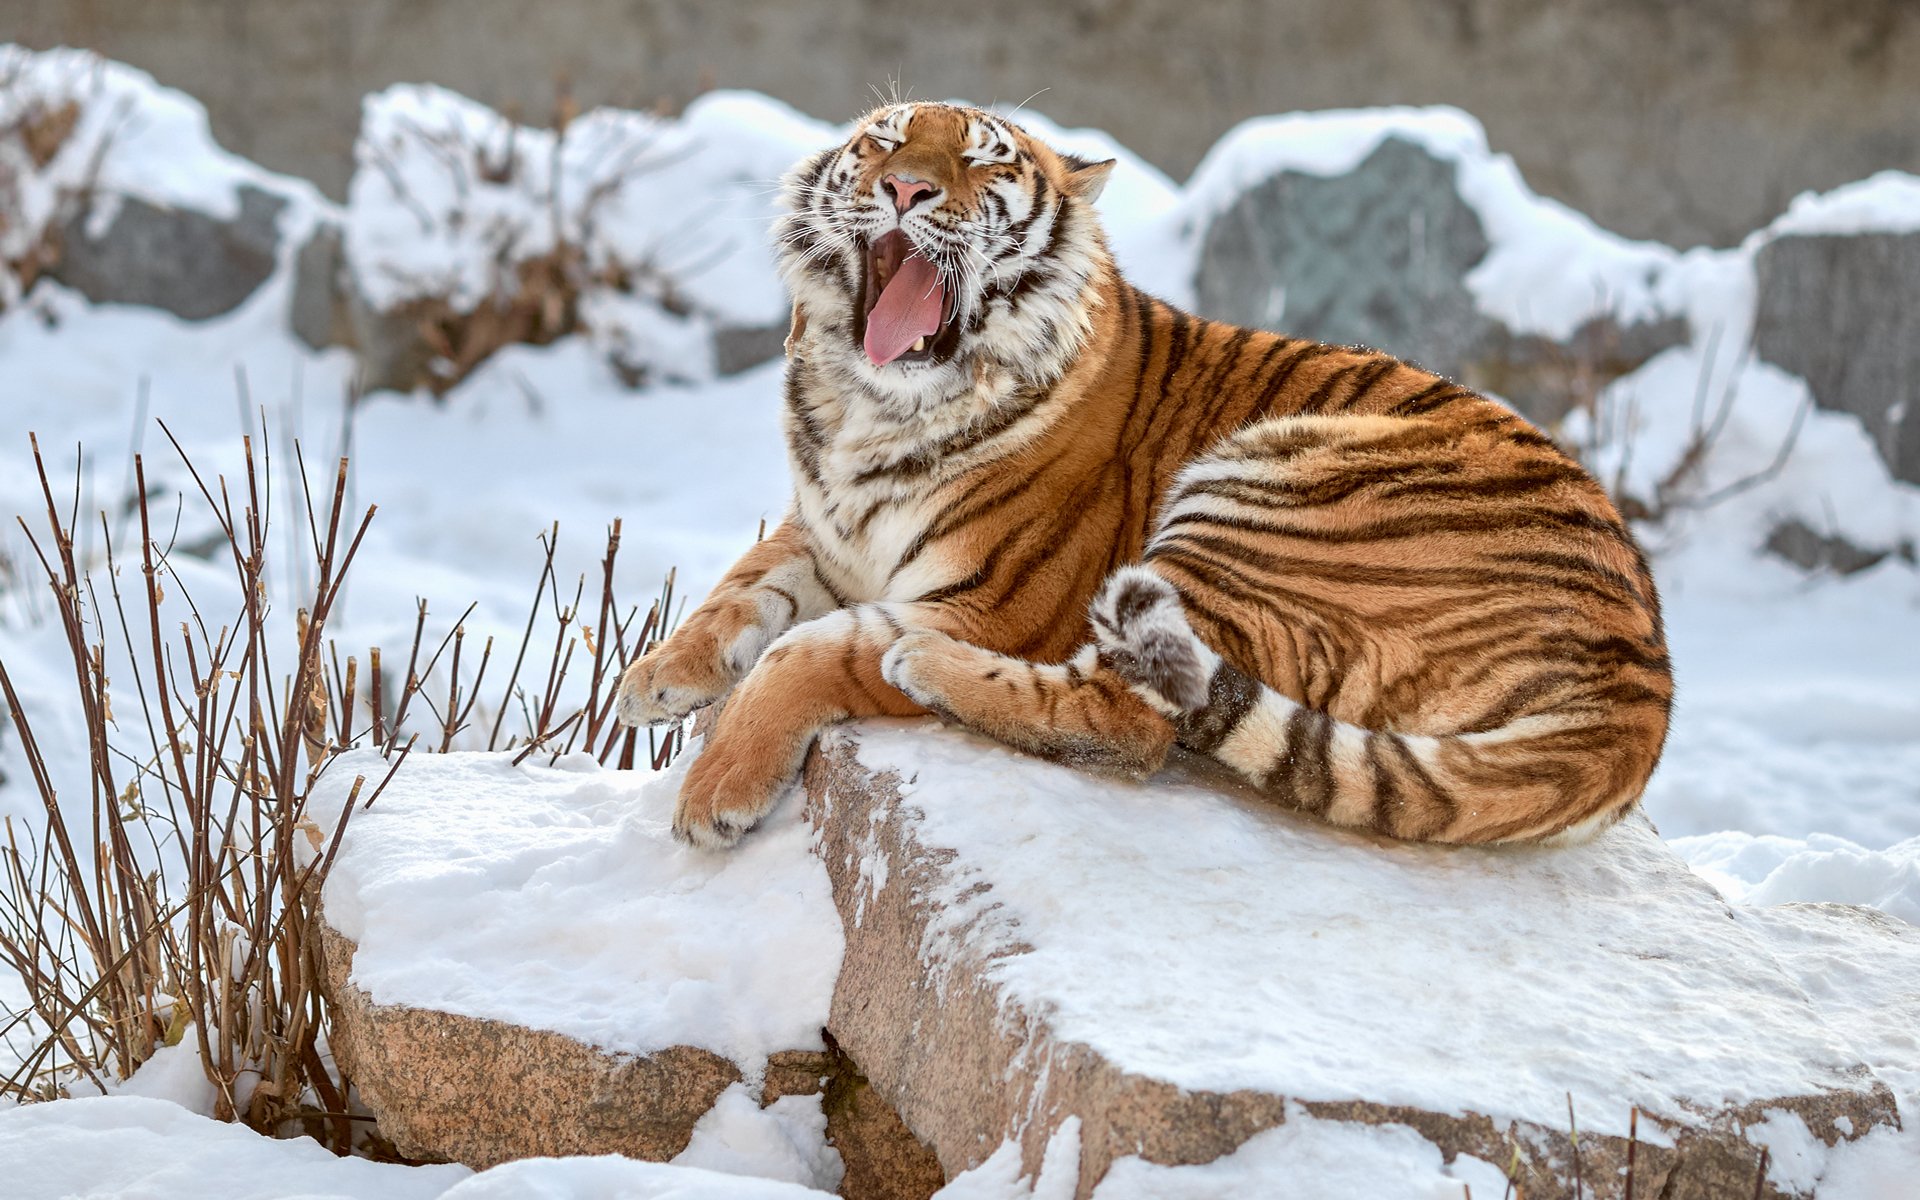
[(1174, 964), (522, 961)]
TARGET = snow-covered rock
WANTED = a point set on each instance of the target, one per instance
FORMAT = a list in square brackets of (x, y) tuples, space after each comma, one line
[(466, 231), (1049, 974), (1839, 306), (1175, 967), (483, 1092), (113, 186), (1401, 229), (522, 962)]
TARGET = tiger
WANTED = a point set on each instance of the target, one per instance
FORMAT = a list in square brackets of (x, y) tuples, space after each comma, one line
[(1036, 502)]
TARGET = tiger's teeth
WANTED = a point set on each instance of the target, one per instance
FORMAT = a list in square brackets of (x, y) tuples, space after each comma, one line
[(920, 343)]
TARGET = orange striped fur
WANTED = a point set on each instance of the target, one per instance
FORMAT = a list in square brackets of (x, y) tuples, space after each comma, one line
[(1093, 526)]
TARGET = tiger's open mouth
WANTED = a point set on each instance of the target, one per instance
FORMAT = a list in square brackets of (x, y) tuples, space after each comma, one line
[(905, 309)]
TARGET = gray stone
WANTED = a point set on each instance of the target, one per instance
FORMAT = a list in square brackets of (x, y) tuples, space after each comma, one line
[(1810, 550), (1376, 257), (1379, 257), (317, 311), (736, 349), (193, 265), (1843, 313), (392, 349)]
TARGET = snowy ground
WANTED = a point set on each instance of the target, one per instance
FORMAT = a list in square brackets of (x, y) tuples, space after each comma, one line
[(1793, 771)]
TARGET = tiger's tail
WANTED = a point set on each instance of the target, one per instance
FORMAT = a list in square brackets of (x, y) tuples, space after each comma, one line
[(1548, 775)]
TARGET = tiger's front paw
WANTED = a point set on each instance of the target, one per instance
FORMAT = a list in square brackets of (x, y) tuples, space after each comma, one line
[(669, 682), (729, 788)]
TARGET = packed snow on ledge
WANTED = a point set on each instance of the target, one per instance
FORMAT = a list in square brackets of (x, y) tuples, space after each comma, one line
[(1790, 773), (555, 897)]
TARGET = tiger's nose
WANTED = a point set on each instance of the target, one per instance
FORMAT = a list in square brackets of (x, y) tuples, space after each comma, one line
[(906, 192)]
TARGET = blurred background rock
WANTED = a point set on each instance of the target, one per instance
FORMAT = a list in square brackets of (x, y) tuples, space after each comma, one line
[(1685, 122)]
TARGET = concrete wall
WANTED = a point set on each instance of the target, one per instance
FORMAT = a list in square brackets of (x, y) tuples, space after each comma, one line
[(1683, 120)]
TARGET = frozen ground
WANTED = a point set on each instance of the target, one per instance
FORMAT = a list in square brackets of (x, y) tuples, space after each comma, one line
[(1793, 770)]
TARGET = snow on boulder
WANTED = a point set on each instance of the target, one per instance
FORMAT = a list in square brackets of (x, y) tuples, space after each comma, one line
[(524, 962), (114, 186), (466, 231), (1399, 228), (1838, 279), (1167, 969)]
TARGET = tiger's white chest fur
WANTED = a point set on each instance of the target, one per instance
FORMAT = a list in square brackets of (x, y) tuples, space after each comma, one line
[(872, 480)]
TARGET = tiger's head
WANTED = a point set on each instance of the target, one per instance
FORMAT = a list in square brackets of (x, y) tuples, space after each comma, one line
[(938, 239)]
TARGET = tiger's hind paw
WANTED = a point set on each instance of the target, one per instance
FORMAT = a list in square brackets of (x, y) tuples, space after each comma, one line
[(1143, 634)]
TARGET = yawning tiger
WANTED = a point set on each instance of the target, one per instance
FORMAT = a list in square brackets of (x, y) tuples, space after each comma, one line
[(1041, 504)]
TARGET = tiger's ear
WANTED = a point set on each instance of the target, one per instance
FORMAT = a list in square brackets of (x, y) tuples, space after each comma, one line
[(1086, 179)]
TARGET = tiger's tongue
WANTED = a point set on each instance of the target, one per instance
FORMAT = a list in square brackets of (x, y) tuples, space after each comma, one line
[(909, 309)]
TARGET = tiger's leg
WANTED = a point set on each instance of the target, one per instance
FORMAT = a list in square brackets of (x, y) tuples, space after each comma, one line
[(819, 673), (772, 587), (1080, 712), (1113, 708)]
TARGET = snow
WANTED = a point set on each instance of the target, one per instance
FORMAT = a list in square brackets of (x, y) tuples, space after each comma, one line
[(139, 1148), (1888, 202), (1790, 775), (1776, 870), (786, 1140), (556, 898), (609, 1177), (136, 1148), (1328, 1158), (1317, 1158)]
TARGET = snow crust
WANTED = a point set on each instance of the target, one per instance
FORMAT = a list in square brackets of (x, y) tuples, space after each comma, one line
[(556, 898), (1210, 941)]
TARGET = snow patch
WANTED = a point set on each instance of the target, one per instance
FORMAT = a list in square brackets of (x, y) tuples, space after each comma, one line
[(787, 1140), (133, 1145), (1888, 202)]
